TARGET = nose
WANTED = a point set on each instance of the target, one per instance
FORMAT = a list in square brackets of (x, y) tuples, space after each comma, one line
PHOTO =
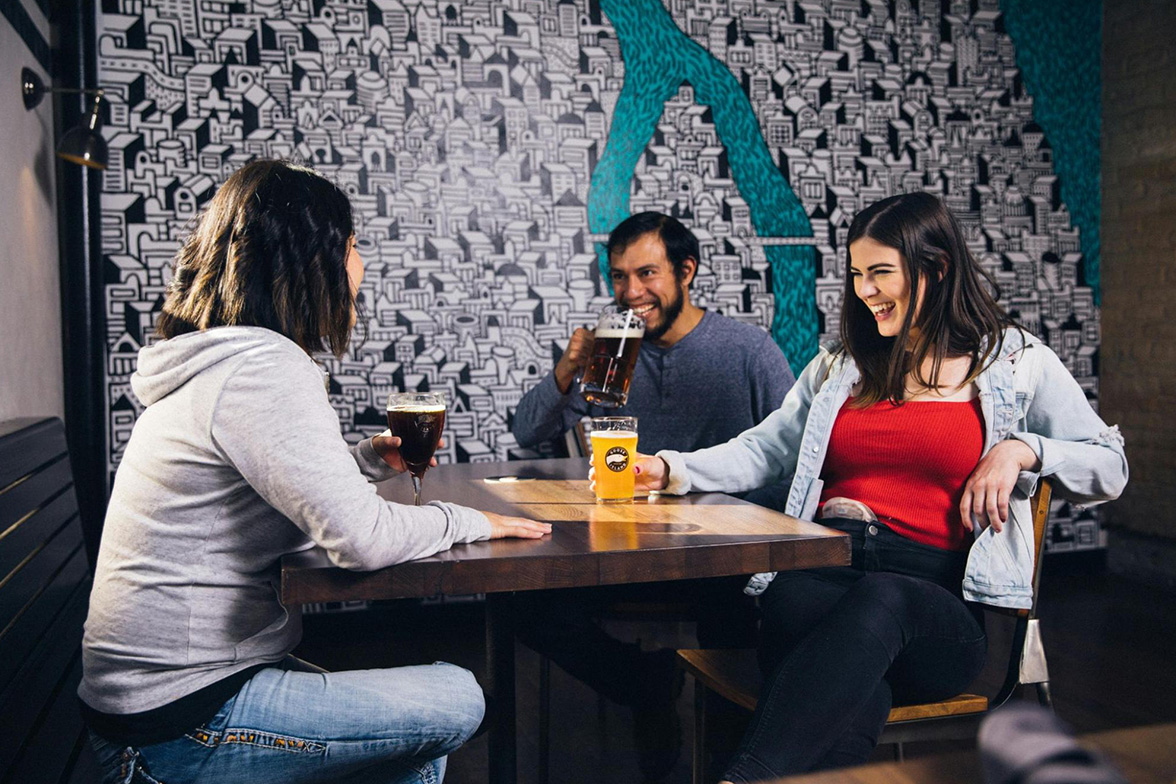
[(865, 287), (629, 289)]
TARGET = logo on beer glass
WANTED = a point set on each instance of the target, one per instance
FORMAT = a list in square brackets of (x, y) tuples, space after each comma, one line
[(617, 458), (616, 341)]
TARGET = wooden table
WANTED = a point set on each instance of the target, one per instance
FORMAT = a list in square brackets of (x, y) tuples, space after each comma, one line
[(653, 539), (1145, 755)]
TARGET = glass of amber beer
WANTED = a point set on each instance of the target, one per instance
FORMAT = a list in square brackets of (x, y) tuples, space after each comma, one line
[(417, 419), (614, 355), (614, 445)]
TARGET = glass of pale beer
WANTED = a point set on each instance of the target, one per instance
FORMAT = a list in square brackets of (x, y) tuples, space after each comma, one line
[(417, 419), (614, 446), (614, 355)]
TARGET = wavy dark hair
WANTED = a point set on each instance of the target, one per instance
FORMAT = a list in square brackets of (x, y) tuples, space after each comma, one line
[(959, 315), (269, 251), (679, 242)]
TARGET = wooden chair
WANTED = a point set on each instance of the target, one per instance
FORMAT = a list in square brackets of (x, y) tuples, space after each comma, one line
[(44, 595), (735, 674)]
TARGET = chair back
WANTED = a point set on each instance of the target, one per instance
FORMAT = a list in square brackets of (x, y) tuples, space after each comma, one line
[(1039, 504)]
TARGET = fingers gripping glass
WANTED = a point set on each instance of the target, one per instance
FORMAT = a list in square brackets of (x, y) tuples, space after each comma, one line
[(417, 419)]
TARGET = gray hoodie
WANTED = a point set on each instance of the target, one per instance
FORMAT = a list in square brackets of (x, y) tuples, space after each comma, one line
[(236, 461)]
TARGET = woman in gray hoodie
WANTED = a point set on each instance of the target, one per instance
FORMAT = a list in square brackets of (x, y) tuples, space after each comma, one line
[(236, 461)]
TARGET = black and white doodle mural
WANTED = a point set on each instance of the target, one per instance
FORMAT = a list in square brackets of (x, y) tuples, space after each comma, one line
[(489, 146)]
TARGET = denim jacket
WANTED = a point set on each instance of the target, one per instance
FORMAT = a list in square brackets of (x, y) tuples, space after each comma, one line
[(1025, 393)]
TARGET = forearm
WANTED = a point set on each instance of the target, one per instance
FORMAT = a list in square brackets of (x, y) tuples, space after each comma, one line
[(545, 413)]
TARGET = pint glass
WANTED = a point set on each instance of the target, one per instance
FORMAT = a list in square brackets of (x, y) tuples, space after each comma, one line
[(614, 355), (614, 445)]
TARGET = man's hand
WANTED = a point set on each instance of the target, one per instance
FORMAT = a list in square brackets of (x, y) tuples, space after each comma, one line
[(502, 527), (575, 358), (387, 446), (651, 474), (986, 494)]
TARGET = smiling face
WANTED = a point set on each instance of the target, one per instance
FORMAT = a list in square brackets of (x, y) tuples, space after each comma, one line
[(880, 280), (643, 279)]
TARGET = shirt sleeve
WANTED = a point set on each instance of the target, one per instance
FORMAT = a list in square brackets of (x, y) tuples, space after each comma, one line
[(545, 413), (758, 456), (274, 424), (770, 378), (1083, 456), (371, 465)]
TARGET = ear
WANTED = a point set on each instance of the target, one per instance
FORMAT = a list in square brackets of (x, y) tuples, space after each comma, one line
[(689, 270), (941, 268)]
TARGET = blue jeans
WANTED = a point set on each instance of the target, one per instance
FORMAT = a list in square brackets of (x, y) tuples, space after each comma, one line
[(840, 646), (294, 723)]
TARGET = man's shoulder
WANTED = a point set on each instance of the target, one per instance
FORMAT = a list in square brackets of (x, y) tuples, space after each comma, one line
[(739, 331)]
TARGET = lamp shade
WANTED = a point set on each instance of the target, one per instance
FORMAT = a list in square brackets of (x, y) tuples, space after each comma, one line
[(84, 144)]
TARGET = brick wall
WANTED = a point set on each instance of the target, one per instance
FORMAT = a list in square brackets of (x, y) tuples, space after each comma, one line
[(1138, 368)]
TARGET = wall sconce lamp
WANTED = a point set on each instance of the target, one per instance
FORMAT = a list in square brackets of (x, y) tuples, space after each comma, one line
[(82, 144)]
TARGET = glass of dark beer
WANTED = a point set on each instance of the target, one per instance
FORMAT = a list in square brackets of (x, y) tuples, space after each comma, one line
[(417, 419), (614, 355)]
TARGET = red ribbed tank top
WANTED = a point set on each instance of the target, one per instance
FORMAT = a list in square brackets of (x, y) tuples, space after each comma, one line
[(908, 463)]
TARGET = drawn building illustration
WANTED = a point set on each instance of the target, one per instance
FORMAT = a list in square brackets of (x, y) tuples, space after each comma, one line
[(467, 135)]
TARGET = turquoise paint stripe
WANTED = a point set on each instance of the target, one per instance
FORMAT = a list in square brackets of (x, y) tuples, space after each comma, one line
[(658, 57), (1059, 45)]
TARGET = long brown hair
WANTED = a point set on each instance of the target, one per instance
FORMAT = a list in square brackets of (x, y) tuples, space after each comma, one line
[(269, 251), (959, 315)]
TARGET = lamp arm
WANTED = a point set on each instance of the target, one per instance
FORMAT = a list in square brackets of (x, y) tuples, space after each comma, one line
[(33, 88)]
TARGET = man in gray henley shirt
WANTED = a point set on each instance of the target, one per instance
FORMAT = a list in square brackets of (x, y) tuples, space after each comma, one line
[(701, 379)]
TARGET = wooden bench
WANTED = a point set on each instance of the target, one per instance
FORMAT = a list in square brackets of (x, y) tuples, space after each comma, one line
[(44, 592)]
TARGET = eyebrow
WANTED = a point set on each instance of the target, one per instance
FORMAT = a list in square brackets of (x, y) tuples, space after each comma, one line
[(879, 265)]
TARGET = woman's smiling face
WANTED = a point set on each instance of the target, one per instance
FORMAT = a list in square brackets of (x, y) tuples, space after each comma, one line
[(880, 280)]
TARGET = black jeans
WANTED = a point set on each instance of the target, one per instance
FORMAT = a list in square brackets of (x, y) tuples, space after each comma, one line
[(840, 646), (561, 624)]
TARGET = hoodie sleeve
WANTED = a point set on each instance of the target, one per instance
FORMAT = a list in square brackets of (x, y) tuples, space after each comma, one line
[(274, 424)]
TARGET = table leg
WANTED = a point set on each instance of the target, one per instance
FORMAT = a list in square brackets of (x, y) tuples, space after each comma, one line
[(500, 687)]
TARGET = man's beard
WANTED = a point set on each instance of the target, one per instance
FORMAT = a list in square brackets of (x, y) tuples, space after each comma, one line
[(670, 314)]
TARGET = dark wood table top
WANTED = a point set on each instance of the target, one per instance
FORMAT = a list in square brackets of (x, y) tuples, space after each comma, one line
[(652, 539), (1145, 755)]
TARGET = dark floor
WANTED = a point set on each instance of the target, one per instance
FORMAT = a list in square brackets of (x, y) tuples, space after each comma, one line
[(1109, 644)]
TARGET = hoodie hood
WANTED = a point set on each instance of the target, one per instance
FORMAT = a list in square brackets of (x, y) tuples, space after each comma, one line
[(166, 366)]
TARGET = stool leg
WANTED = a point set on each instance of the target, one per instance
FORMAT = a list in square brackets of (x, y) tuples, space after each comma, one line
[(544, 718), (698, 764)]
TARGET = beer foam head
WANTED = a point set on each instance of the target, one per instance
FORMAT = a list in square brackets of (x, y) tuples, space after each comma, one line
[(616, 434), (635, 331), (418, 408)]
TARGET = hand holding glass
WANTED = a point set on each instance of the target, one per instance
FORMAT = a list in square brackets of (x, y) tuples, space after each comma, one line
[(417, 419)]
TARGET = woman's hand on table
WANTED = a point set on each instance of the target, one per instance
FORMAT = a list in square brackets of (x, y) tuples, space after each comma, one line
[(387, 446), (651, 474), (987, 491), (503, 527)]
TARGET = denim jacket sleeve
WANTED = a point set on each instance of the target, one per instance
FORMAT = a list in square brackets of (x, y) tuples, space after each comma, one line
[(1081, 454), (756, 457)]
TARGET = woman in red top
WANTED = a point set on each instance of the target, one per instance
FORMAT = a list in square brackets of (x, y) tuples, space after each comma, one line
[(904, 472)]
